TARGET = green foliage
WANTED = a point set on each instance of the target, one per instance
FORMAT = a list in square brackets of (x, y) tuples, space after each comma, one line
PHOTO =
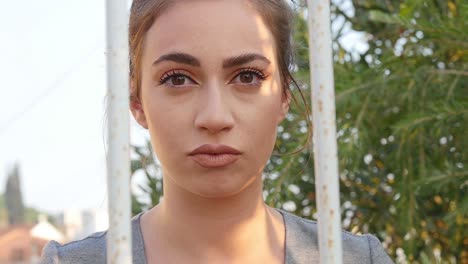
[(143, 161), (414, 91), (401, 122)]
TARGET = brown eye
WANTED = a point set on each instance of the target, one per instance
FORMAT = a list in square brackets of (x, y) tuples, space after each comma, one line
[(249, 77), (178, 80), (246, 77)]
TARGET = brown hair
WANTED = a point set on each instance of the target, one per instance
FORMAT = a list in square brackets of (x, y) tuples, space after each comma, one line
[(277, 15)]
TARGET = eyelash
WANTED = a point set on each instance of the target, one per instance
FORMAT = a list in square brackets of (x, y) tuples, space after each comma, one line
[(253, 70), (166, 77)]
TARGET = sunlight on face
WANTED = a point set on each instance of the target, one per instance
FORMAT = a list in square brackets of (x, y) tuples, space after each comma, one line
[(269, 48), (210, 76)]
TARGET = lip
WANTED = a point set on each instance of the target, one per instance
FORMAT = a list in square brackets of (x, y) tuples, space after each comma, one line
[(214, 156), (214, 149)]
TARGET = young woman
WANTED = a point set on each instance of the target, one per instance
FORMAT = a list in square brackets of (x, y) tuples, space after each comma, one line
[(209, 80)]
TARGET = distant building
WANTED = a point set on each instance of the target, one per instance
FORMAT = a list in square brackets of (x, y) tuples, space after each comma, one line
[(22, 244), (79, 224)]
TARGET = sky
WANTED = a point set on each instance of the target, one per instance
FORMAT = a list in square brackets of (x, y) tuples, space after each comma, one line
[(52, 104), (52, 101)]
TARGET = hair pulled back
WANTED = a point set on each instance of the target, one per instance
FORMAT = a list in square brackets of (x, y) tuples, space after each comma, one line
[(277, 15)]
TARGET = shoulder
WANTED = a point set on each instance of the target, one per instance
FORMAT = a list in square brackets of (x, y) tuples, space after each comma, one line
[(302, 243), (90, 250)]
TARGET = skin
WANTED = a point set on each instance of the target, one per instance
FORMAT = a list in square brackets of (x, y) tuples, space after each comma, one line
[(211, 215)]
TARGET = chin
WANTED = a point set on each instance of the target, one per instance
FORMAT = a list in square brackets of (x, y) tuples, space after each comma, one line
[(221, 186), (218, 190)]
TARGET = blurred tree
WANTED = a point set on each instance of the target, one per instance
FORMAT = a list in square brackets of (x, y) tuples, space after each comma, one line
[(409, 127), (401, 118), (143, 161), (30, 214), (13, 198)]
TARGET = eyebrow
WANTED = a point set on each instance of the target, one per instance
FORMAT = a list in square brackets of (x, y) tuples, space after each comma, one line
[(243, 59), (188, 59), (180, 58)]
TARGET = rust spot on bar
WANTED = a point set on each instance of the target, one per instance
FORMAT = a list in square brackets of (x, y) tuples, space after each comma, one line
[(320, 102), (330, 243), (325, 199)]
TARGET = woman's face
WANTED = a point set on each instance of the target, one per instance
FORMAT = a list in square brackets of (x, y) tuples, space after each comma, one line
[(210, 76)]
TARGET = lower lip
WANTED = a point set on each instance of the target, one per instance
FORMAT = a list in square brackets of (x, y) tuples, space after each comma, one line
[(214, 160)]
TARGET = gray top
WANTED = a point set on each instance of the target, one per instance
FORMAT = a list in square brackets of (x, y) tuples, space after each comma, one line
[(301, 246)]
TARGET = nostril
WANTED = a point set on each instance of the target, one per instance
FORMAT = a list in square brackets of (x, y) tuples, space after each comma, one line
[(214, 119), (216, 127)]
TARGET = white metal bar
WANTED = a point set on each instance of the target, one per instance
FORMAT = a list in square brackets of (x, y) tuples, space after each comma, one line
[(119, 249), (324, 119)]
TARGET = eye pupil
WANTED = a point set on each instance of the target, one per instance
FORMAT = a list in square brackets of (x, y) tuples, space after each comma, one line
[(178, 80), (246, 77)]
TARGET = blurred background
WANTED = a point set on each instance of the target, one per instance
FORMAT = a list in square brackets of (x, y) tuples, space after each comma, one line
[(402, 108)]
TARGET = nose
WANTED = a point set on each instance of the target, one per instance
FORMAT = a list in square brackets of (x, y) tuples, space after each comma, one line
[(214, 114)]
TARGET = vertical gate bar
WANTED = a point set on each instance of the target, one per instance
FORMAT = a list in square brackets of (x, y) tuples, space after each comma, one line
[(119, 249), (324, 120)]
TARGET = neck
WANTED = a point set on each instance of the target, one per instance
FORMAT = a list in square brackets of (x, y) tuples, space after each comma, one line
[(179, 202), (226, 227)]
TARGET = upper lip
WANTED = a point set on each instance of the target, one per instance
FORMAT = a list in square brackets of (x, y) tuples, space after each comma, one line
[(214, 149)]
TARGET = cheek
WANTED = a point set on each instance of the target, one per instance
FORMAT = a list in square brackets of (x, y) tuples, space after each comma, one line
[(267, 110), (167, 123), (261, 125), (266, 128)]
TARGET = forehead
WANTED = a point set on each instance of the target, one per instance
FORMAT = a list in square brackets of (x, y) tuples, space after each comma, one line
[(213, 28)]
